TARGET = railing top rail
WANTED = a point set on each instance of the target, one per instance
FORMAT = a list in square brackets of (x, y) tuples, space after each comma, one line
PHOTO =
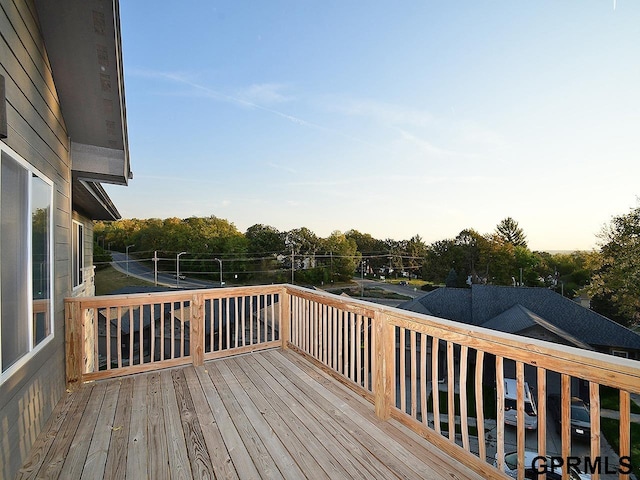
[(595, 366), (136, 299)]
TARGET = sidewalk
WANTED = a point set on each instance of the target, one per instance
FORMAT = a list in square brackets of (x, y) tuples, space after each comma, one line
[(634, 417)]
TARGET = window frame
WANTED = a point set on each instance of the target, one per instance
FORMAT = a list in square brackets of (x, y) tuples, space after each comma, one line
[(77, 255), (28, 252), (619, 353)]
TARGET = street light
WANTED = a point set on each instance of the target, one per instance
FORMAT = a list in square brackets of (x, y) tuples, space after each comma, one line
[(178, 268), (127, 250), (220, 261)]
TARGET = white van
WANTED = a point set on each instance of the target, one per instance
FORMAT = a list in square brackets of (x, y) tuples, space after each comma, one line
[(511, 401)]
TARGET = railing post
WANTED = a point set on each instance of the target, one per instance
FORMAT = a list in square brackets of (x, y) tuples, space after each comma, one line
[(74, 344), (384, 373), (196, 335), (285, 318)]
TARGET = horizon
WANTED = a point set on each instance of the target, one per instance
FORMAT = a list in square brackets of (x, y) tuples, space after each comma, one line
[(422, 118), (427, 243)]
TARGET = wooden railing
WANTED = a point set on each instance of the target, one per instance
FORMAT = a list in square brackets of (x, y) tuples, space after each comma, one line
[(442, 379), (123, 334)]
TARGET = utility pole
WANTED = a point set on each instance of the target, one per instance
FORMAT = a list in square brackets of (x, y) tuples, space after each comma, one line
[(127, 250), (155, 268), (331, 255), (178, 268), (220, 261), (292, 267)]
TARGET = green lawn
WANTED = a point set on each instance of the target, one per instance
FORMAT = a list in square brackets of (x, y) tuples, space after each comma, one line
[(611, 431), (413, 282), (488, 397), (610, 400), (109, 279), (371, 292)]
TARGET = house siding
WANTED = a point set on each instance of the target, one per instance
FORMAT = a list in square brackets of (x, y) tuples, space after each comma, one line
[(88, 287), (37, 132)]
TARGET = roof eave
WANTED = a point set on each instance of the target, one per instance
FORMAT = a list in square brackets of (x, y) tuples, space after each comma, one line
[(83, 45)]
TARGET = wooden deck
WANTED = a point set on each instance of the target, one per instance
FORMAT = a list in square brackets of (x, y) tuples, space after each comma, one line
[(263, 415)]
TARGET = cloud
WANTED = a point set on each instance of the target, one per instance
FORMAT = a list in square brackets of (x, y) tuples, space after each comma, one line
[(430, 149), (265, 94), (381, 112), (242, 98), (174, 179)]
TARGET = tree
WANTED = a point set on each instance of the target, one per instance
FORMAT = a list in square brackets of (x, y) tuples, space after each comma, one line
[(452, 279), (264, 240), (344, 256), (509, 231), (441, 257), (375, 250), (615, 286), (416, 251)]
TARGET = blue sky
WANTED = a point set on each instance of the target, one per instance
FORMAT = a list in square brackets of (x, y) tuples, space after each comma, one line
[(392, 118)]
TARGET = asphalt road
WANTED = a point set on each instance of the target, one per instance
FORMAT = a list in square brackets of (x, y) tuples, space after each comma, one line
[(141, 271), (406, 290)]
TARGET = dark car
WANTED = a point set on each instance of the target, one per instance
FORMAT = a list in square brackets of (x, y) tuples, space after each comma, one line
[(533, 465), (580, 419)]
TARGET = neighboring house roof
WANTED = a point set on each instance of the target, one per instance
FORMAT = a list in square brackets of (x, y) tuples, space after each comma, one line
[(450, 303), (482, 303), (518, 319)]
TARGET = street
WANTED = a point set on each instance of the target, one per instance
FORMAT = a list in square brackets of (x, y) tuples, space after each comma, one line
[(141, 271)]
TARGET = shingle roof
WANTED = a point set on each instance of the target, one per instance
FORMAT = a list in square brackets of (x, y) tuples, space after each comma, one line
[(586, 325), (519, 318), (449, 303), (482, 303)]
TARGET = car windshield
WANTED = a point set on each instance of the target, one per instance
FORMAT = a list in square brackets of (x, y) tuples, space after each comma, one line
[(511, 459), (528, 408), (578, 412)]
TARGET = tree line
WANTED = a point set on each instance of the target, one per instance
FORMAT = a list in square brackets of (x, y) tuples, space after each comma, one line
[(263, 254)]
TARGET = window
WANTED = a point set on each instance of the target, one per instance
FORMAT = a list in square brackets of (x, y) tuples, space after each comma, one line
[(26, 275), (620, 353), (78, 254)]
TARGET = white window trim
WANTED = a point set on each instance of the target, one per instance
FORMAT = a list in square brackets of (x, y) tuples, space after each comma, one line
[(619, 353), (75, 224), (33, 350)]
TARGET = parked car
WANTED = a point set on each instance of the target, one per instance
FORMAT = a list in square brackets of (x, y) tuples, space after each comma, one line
[(532, 469), (511, 405), (580, 418)]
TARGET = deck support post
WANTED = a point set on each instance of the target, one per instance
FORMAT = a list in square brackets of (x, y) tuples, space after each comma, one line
[(384, 372), (285, 318), (74, 340), (196, 335)]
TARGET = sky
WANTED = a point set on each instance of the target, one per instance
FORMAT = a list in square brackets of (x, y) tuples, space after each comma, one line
[(391, 118)]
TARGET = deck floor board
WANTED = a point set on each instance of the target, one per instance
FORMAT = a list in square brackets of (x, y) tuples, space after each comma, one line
[(268, 414)]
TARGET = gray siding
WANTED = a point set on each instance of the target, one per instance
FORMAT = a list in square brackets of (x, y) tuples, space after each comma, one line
[(36, 131), (88, 287)]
